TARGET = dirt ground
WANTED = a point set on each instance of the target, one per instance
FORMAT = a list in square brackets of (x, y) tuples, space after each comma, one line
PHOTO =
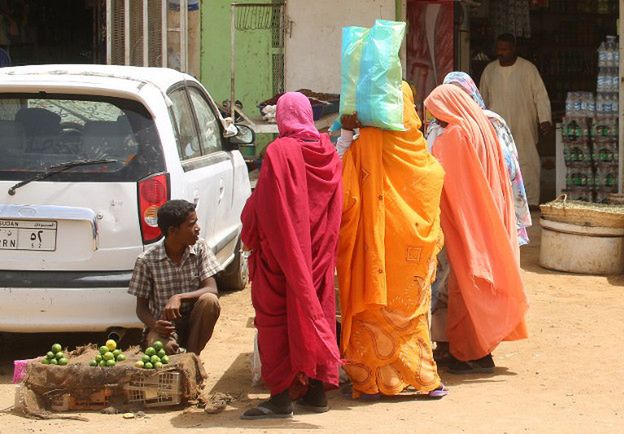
[(567, 377)]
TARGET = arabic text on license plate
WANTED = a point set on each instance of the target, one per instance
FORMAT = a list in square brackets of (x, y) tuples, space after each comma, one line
[(28, 235)]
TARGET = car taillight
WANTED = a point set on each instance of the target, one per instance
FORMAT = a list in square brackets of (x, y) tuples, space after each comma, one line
[(153, 193)]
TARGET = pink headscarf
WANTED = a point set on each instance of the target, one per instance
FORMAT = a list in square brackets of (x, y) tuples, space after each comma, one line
[(295, 119)]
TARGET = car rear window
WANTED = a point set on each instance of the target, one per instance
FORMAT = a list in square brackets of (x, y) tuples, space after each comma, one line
[(38, 131)]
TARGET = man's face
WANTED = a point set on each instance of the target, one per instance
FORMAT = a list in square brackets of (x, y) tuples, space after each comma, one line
[(188, 232), (505, 51)]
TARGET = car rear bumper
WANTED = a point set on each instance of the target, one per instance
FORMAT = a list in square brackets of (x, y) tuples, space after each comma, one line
[(64, 279), (54, 309)]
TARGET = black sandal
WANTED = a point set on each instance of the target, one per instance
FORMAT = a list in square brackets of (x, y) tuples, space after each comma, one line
[(315, 399), (262, 411), (277, 407)]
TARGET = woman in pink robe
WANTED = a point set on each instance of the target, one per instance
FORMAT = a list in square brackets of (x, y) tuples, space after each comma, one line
[(290, 225)]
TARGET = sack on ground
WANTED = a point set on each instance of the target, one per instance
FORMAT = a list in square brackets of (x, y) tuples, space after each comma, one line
[(256, 364)]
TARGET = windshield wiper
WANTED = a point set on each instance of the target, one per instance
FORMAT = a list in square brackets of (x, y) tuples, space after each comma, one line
[(57, 168)]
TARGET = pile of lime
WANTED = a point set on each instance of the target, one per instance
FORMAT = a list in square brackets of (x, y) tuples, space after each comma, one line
[(55, 356), (109, 355), (154, 358)]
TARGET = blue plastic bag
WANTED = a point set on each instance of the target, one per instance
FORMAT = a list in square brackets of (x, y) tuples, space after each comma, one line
[(371, 74)]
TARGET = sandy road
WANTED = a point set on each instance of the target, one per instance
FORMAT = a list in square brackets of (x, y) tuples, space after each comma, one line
[(568, 377)]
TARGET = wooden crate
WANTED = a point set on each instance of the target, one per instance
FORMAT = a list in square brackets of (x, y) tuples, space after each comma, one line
[(160, 390), (96, 401)]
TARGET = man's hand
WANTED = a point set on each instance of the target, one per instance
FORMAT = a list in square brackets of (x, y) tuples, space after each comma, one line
[(546, 128), (350, 122), (172, 309), (163, 328)]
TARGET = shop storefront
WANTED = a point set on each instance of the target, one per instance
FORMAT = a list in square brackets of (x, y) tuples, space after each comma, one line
[(562, 39), (123, 32), (60, 31)]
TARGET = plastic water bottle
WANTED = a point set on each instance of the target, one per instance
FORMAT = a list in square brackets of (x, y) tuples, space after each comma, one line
[(606, 80), (600, 85), (600, 105), (578, 105), (608, 110), (615, 80), (602, 55), (611, 48), (569, 104), (591, 106), (584, 104)]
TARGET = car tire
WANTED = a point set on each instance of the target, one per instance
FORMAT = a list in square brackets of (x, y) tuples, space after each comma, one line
[(236, 275)]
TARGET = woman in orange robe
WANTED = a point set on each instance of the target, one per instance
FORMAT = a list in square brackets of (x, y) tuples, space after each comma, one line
[(487, 302), (389, 238)]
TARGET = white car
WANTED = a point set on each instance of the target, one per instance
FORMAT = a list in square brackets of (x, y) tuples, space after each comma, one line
[(87, 155)]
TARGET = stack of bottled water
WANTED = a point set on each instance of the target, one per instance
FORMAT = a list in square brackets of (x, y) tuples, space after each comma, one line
[(605, 122), (580, 104), (577, 150)]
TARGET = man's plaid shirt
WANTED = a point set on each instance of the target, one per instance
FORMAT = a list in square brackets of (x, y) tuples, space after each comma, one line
[(157, 278)]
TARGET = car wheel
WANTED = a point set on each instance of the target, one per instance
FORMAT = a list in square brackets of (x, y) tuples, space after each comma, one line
[(236, 275)]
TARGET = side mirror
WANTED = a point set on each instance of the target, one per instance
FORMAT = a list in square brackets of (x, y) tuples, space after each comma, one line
[(244, 136)]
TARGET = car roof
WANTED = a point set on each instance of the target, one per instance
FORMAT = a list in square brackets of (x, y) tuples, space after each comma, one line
[(98, 75)]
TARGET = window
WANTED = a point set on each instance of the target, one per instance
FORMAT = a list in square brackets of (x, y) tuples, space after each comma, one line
[(187, 137), (38, 132), (209, 130)]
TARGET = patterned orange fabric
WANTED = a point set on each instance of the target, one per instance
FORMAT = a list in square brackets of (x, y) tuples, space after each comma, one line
[(389, 238)]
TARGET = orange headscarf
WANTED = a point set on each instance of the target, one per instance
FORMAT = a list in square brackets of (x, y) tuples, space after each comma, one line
[(486, 296)]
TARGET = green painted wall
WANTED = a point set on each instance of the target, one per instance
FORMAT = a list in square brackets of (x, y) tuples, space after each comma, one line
[(253, 57), (254, 79)]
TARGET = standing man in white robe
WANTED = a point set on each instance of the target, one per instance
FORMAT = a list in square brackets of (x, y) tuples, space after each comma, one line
[(512, 87)]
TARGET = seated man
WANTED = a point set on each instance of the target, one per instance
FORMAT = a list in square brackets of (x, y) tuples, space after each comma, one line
[(176, 293)]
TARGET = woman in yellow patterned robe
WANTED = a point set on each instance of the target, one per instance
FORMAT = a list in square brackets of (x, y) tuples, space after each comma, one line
[(389, 239)]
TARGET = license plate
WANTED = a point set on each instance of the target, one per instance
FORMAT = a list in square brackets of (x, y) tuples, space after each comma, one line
[(28, 235)]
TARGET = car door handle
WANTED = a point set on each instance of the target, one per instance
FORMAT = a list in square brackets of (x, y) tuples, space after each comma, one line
[(196, 197), (221, 189)]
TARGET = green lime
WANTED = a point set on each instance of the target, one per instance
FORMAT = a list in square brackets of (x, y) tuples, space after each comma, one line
[(62, 361), (139, 364), (102, 364), (103, 349), (56, 348), (111, 345), (108, 356), (59, 355), (154, 359), (158, 365), (148, 365), (53, 362), (98, 358), (110, 363), (158, 345), (45, 361), (164, 360), (145, 358), (116, 353), (121, 358), (50, 355), (161, 353), (93, 363), (150, 351)]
